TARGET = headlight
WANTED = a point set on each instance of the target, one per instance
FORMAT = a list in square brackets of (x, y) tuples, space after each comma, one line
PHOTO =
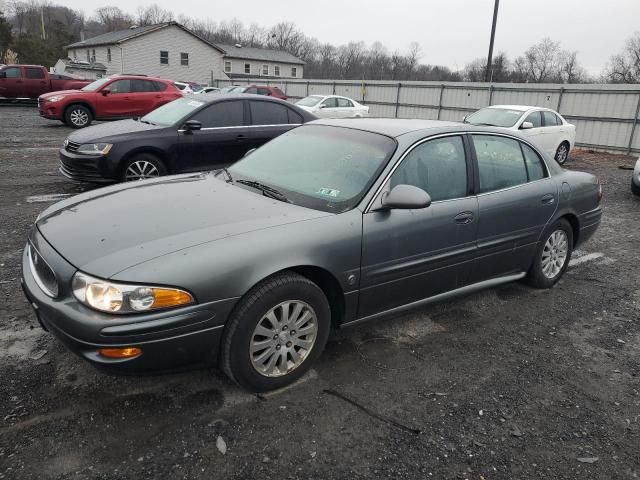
[(95, 148), (55, 98), (120, 298)]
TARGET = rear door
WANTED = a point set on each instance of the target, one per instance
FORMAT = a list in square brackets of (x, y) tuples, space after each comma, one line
[(268, 120), (516, 199), (221, 141), (35, 82), (345, 108), (553, 131), (145, 96), (12, 83), (409, 255)]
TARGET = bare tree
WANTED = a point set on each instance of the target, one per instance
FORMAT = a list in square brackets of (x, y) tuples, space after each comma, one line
[(152, 14), (113, 18), (624, 67)]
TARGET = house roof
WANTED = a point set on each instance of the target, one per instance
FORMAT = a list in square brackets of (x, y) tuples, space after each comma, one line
[(266, 54), (119, 36)]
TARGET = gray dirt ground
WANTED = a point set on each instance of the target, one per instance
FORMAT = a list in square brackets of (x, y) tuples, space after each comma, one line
[(507, 383)]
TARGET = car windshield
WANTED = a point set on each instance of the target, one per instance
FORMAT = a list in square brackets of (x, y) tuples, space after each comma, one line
[(172, 112), (94, 86), (310, 101), (317, 166), (497, 117)]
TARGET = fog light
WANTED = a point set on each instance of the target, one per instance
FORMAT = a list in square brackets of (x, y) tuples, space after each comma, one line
[(127, 352)]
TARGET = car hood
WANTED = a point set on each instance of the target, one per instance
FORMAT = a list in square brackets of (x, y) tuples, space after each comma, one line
[(111, 129), (111, 229), (65, 92)]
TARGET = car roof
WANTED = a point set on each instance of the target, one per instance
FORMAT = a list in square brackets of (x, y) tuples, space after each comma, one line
[(392, 127), (216, 97), (521, 108)]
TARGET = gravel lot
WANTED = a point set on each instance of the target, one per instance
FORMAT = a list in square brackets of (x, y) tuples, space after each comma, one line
[(507, 383)]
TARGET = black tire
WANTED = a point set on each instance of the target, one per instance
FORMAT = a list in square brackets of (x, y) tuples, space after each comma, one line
[(235, 358), (78, 116), (536, 276), (145, 165), (635, 189), (562, 153)]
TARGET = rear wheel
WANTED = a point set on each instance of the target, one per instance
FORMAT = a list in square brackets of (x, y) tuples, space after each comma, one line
[(141, 167), (78, 116), (635, 188), (562, 153), (276, 333), (552, 255)]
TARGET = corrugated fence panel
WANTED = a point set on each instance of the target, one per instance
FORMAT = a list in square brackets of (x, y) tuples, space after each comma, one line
[(609, 105), (636, 139), (351, 91), (296, 90), (605, 134), (387, 111), (316, 88), (472, 99), (424, 113), (381, 93), (454, 115), (413, 95), (526, 97)]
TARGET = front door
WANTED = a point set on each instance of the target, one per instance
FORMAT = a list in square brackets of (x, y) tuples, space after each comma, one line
[(409, 255), (516, 199), (535, 134), (12, 83), (221, 141), (115, 100)]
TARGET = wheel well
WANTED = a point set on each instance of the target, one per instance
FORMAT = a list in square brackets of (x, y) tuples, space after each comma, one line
[(86, 105), (575, 226), (329, 285), (158, 154)]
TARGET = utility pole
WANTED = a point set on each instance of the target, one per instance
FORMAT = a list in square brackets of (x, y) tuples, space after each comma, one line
[(488, 74)]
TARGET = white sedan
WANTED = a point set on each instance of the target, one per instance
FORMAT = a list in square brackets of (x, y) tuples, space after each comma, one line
[(542, 126), (333, 106)]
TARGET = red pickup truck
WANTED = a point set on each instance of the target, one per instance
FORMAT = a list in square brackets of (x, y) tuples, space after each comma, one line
[(31, 81)]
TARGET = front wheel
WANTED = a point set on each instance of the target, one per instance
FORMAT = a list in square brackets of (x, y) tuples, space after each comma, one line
[(276, 332), (552, 255), (141, 167), (78, 116), (562, 153)]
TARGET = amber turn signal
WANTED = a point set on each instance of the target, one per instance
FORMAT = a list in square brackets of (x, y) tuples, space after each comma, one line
[(127, 352), (169, 298)]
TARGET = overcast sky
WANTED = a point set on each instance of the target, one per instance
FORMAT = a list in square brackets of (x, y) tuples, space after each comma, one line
[(450, 32)]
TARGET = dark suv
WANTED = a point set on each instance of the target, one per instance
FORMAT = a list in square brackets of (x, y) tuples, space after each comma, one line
[(193, 133)]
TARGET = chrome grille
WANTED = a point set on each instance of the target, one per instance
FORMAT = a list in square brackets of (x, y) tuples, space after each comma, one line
[(42, 273), (71, 146)]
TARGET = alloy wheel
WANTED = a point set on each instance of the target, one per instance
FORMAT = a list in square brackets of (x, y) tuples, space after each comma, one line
[(554, 253), (79, 117), (283, 338), (562, 154), (141, 169)]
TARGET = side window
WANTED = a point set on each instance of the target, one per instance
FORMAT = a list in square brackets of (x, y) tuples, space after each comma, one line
[(437, 166), (159, 86), (222, 114), (264, 91), (34, 73), (535, 167), (253, 90), (120, 86), (550, 119), (12, 72), (294, 117), (343, 102), (500, 162), (330, 102), (268, 113), (535, 119)]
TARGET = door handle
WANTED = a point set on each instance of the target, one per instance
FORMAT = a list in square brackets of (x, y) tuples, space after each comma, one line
[(241, 137), (548, 199), (464, 218)]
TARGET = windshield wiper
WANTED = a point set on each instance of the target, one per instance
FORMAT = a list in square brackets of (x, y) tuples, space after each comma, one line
[(226, 172), (266, 190), (147, 122)]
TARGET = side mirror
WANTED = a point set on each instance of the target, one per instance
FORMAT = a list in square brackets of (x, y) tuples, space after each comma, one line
[(105, 92), (464, 119), (323, 106), (526, 125), (404, 197), (249, 152), (192, 125)]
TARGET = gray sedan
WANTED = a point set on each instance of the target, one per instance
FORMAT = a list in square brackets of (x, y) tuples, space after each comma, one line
[(331, 224)]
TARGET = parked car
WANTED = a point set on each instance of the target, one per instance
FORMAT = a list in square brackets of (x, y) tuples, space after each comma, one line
[(543, 126), (332, 223), (274, 92), (635, 179), (333, 106), (185, 88), (31, 81), (208, 90), (232, 89), (112, 98), (191, 134)]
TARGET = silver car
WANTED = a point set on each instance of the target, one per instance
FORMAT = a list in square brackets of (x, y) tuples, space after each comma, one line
[(635, 180)]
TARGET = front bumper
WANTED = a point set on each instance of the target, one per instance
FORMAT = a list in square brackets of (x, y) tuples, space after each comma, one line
[(86, 168), (168, 340), (50, 110)]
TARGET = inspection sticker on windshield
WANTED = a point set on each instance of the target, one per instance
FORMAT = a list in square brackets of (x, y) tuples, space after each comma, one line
[(194, 103), (329, 192)]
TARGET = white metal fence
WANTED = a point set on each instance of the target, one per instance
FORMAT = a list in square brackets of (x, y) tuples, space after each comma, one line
[(606, 116)]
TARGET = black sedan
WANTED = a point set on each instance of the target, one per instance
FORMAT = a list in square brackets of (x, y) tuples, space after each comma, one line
[(187, 135), (332, 223)]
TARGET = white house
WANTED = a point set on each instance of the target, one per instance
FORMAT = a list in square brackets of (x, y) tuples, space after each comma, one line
[(169, 50)]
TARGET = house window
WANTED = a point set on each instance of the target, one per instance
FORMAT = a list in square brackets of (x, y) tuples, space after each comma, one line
[(75, 55), (184, 59), (164, 57), (276, 70), (294, 71), (109, 55), (247, 68), (265, 69), (88, 56), (227, 66), (93, 56)]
